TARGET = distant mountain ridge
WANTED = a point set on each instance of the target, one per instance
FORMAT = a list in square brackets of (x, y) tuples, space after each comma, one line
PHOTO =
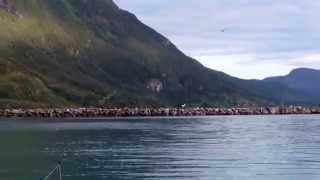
[(304, 80), (60, 53)]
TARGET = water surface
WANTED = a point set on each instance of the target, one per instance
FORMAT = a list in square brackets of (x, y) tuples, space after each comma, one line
[(205, 148)]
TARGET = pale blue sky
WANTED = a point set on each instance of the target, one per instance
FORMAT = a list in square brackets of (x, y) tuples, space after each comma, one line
[(261, 38)]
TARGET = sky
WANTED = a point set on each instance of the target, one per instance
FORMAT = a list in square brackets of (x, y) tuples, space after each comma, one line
[(250, 39)]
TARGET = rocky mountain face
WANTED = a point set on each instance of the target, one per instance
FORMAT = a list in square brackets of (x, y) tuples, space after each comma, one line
[(6, 5), (92, 53)]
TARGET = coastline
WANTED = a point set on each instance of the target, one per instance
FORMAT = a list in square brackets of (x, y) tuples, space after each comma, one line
[(153, 112)]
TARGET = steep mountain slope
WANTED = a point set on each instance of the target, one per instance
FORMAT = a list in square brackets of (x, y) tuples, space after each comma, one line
[(91, 53), (304, 80), (78, 52)]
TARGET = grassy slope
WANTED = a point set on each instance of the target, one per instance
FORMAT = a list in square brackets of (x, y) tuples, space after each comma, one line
[(31, 47)]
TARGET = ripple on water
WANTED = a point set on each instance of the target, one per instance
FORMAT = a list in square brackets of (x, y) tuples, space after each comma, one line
[(240, 147)]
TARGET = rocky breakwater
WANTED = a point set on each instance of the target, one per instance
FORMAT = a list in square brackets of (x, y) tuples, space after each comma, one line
[(153, 112)]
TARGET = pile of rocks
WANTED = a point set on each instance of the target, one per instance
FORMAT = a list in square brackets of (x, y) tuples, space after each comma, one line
[(136, 112)]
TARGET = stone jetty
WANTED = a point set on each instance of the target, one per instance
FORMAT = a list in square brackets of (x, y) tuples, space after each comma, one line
[(153, 112)]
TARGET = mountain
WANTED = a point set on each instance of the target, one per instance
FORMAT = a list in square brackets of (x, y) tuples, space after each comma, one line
[(303, 80), (57, 53)]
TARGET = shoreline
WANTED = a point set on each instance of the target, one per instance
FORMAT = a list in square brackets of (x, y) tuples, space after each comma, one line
[(153, 112)]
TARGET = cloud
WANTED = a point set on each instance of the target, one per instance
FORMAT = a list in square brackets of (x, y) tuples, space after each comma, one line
[(242, 64), (278, 34)]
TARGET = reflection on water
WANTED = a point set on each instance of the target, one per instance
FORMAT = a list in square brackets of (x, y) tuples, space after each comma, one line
[(230, 148)]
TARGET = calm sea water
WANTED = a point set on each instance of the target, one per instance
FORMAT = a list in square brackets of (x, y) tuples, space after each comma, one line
[(206, 148)]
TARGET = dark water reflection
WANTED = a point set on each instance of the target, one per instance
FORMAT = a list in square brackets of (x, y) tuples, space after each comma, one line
[(222, 148)]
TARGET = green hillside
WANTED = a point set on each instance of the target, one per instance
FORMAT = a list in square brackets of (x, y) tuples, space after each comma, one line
[(91, 53)]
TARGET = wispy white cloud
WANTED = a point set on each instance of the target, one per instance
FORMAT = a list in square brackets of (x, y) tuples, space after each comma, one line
[(280, 35)]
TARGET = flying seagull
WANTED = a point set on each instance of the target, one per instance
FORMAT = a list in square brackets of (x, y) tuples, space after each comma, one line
[(223, 30)]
